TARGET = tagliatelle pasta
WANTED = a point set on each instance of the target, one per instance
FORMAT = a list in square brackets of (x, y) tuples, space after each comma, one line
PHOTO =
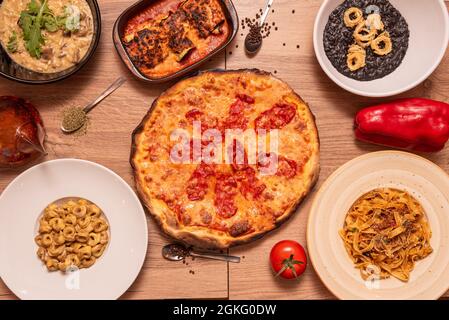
[(385, 233), (74, 234)]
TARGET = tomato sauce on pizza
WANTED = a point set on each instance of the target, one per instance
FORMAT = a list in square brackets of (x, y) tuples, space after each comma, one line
[(220, 204)]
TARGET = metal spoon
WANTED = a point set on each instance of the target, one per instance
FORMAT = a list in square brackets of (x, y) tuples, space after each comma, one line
[(253, 47), (117, 84), (178, 252)]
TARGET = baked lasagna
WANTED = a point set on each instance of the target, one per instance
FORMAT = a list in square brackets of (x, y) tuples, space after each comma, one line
[(171, 35)]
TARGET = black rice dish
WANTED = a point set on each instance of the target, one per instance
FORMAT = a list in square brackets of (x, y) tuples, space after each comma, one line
[(338, 38)]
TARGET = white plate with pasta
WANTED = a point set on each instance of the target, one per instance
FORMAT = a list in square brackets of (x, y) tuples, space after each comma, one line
[(379, 228), (71, 229)]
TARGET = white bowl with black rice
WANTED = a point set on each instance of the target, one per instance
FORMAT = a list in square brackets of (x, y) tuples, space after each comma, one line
[(419, 31)]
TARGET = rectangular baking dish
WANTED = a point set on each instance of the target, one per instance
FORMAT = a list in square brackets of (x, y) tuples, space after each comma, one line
[(119, 27)]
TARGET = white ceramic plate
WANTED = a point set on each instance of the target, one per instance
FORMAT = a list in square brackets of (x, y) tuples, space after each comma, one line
[(427, 182), (429, 36), (22, 203)]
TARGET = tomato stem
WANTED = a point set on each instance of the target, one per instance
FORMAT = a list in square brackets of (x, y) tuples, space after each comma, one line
[(289, 263)]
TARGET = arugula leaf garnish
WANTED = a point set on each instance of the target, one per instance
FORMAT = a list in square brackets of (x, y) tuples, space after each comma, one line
[(37, 17), (31, 23), (26, 22), (50, 23), (12, 43), (33, 7)]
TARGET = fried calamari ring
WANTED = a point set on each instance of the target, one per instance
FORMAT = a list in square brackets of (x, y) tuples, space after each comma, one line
[(382, 45), (356, 57), (363, 36), (352, 17)]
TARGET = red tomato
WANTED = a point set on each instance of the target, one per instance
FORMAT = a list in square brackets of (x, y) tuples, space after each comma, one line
[(288, 259)]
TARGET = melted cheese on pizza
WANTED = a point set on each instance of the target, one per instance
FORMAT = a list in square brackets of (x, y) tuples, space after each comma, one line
[(171, 35), (227, 201)]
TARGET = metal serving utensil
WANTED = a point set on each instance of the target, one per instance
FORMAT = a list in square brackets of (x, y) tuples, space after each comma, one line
[(178, 252), (253, 47), (117, 84)]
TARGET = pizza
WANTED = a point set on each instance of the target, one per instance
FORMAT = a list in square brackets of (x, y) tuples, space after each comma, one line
[(232, 189), (170, 35)]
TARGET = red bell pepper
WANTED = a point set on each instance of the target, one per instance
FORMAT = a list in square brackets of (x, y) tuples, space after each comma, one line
[(413, 124)]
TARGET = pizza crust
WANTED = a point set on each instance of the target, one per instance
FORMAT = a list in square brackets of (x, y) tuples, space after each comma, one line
[(203, 237)]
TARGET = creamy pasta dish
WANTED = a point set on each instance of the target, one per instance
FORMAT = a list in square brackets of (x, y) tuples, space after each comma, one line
[(73, 234), (46, 36), (385, 233)]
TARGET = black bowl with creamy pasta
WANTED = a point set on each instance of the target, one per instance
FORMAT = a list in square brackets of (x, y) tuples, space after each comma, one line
[(64, 52)]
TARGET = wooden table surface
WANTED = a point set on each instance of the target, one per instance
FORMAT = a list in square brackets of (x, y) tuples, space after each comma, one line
[(108, 143)]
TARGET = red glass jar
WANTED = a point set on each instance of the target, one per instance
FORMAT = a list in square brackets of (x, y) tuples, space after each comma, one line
[(22, 132)]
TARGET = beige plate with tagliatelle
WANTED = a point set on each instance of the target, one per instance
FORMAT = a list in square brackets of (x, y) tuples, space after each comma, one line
[(22, 213), (420, 178)]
